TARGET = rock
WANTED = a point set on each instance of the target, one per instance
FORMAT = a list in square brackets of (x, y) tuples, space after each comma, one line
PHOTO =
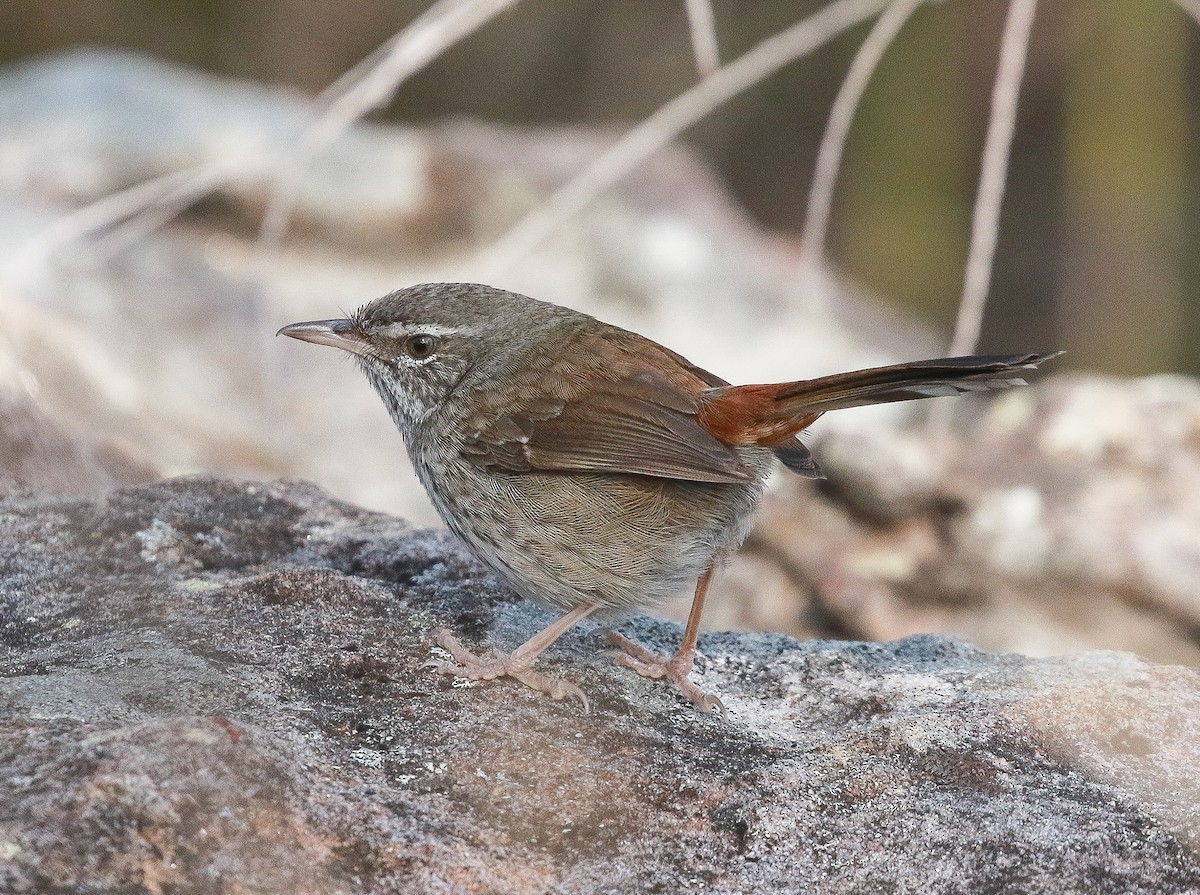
[(212, 685), (1057, 518)]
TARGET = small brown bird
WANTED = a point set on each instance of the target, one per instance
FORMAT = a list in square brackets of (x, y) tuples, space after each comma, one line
[(591, 468)]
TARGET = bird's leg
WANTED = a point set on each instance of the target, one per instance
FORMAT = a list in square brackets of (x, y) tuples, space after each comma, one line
[(677, 668), (516, 664)]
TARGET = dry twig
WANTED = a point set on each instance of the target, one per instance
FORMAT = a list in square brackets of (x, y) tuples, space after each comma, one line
[(841, 116), (370, 84), (1192, 8), (153, 201), (985, 220), (668, 122), (703, 29)]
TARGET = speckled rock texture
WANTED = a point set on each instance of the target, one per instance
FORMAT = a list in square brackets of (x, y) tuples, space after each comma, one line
[(214, 686)]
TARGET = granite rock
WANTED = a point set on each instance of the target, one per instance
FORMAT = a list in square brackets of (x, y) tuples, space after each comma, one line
[(217, 686)]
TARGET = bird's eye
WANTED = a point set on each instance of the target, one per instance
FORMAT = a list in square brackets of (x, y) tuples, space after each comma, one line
[(420, 346)]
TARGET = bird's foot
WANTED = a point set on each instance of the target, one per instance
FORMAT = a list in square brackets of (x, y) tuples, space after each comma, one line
[(676, 669), (496, 664)]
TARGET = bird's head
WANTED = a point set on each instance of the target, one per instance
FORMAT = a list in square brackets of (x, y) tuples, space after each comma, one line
[(418, 345)]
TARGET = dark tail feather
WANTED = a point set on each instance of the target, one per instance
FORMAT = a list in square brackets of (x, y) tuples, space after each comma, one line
[(766, 414), (908, 382)]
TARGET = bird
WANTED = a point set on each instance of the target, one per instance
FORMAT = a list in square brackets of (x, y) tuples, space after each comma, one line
[(591, 468)]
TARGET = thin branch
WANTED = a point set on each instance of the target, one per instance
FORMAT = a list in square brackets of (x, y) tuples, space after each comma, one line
[(841, 116), (703, 29), (1192, 8), (985, 220), (670, 120), (162, 198), (370, 84)]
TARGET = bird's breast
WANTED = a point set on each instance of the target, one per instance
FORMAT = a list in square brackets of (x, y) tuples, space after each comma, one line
[(568, 538)]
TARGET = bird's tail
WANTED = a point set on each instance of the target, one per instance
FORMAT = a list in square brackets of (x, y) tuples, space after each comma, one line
[(769, 414)]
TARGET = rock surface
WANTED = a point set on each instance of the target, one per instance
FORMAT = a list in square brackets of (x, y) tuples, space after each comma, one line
[(214, 686)]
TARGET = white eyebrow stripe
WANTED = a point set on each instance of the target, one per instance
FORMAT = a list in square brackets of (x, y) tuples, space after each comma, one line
[(400, 330)]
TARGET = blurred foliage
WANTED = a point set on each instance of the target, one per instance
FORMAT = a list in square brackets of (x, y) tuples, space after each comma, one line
[(1102, 216)]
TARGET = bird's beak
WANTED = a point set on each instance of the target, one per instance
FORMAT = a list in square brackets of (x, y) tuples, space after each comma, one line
[(341, 333)]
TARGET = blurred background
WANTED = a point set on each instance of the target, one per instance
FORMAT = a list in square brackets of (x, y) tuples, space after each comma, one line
[(1098, 243), (141, 142)]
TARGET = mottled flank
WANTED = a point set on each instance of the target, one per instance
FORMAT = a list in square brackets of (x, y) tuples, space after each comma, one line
[(212, 686)]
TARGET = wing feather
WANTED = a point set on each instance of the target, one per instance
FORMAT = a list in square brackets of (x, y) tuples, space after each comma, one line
[(642, 424)]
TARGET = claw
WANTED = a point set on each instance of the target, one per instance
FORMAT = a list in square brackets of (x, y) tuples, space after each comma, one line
[(676, 669), (554, 687), (494, 664)]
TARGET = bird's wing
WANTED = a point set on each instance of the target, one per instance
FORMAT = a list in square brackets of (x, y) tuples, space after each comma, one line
[(642, 423)]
